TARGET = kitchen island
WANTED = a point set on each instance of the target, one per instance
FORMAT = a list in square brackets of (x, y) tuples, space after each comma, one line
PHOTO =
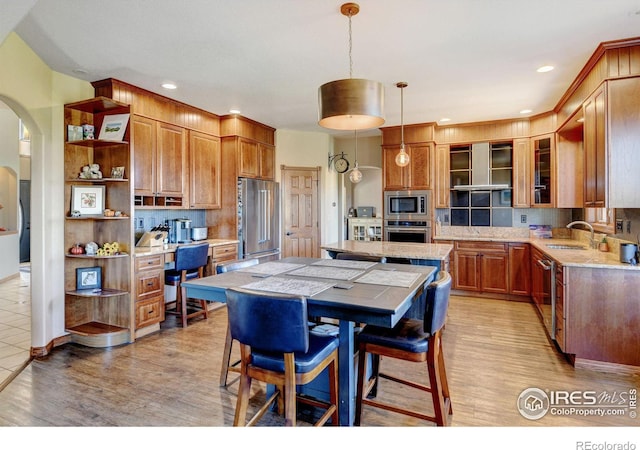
[(415, 253)]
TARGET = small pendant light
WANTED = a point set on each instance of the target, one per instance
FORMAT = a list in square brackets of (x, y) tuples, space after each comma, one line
[(356, 176), (402, 158)]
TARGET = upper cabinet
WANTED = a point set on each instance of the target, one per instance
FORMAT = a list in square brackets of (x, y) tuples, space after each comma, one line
[(623, 99), (253, 146), (595, 160), (416, 175), (542, 171), (521, 196), (205, 171), (160, 163), (441, 177)]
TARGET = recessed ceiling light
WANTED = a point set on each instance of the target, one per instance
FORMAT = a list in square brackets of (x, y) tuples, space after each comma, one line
[(525, 111), (545, 69), (445, 119), (234, 111), (169, 85)]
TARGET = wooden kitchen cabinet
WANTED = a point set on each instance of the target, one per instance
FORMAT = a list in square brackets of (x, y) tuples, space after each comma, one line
[(595, 150), (416, 175), (520, 269), (149, 282), (255, 159), (543, 171), (560, 322), (160, 163), (481, 266), (521, 165), (222, 253), (100, 317), (205, 162), (441, 177)]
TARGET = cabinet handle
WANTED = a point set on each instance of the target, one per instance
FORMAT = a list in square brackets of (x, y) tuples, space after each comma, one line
[(150, 284)]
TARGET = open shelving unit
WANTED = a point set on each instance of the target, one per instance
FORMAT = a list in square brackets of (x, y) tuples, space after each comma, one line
[(101, 317)]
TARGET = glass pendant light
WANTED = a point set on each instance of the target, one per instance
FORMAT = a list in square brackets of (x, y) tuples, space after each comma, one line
[(352, 103), (402, 158), (356, 176)]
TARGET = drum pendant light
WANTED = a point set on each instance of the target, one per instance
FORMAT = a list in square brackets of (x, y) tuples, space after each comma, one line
[(353, 103), (356, 176), (402, 158)]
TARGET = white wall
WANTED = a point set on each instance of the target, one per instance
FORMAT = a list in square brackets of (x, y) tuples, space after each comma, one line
[(9, 170), (37, 95), (308, 149)]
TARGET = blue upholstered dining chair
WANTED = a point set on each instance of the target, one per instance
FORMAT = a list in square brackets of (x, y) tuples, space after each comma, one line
[(410, 340), (190, 261), (227, 367), (277, 348)]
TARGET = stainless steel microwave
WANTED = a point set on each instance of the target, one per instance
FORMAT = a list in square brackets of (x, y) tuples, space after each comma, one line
[(408, 205)]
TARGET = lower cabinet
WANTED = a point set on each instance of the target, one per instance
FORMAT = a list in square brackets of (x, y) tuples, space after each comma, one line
[(481, 266), (223, 253), (491, 267), (149, 305)]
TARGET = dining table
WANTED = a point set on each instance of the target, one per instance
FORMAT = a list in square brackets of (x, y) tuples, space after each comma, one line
[(353, 292)]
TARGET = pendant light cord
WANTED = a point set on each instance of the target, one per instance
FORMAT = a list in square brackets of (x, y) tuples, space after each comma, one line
[(350, 49)]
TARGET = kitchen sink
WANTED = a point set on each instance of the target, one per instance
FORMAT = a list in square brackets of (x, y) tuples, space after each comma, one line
[(566, 247)]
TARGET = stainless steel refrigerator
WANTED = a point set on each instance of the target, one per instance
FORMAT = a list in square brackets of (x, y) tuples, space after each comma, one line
[(258, 219)]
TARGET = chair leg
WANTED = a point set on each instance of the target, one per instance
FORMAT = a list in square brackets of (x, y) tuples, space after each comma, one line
[(434, 358), (443, 378), (182, 301), (333, 391), (289, 390), (244, 392), (226, 357)]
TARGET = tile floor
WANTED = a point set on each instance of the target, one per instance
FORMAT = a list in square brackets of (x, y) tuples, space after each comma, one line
[(15, 323)]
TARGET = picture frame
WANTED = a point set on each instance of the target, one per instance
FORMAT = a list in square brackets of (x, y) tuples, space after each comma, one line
[(88, 278), (113, 127), (88, 200), (74, 133), (117, 172)]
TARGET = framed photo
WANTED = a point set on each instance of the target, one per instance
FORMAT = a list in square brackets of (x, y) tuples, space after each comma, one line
[(113, 127), (87, 200), (117, 172), (88, 278), (74, 133)]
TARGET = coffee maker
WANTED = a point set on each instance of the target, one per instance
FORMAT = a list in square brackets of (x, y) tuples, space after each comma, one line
[(180, 231)]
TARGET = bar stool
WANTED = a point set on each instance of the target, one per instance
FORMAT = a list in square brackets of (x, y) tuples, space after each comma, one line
[(228, 342), (277, 348), (410, 340), (190, 261)]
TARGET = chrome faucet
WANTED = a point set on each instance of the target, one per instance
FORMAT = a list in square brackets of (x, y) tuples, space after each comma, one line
[(588, 225)]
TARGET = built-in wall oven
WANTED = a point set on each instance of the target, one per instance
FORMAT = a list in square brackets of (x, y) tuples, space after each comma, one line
[(406, 216)]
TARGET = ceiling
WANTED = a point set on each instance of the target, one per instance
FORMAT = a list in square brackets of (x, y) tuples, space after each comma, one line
[(468, 60)]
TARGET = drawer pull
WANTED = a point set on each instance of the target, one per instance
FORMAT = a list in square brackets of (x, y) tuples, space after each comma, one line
[(150, 284)]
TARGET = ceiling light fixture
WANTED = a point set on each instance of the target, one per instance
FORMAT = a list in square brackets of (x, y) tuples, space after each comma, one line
[(402, 158), (234, 111), (169, 86), (545, 69), (445, 119), (525, 111), (356, 176), (353, 103)]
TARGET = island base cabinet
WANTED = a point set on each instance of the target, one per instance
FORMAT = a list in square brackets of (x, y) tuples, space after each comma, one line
[(601, 314)]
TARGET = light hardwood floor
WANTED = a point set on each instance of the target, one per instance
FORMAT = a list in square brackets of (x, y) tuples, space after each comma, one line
[(493, 350)]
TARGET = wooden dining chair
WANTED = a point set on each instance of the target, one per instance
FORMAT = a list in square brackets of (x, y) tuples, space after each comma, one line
[(190, 261), (277, 348), (227, 366), (410, 340)]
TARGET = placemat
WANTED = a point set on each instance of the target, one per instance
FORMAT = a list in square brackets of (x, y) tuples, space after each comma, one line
[(332, 273), (294, 286), (271, 268), (389, 278), (347, 263)]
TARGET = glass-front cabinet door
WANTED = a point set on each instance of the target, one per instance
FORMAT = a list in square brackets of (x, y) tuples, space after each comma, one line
[(542, 177)]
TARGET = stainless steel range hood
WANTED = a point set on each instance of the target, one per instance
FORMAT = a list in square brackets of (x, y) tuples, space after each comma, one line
[(480, 173)]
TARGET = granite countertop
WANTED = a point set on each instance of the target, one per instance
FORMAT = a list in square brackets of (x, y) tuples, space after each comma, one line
[(171, 248), (392, 249), (586, 257)]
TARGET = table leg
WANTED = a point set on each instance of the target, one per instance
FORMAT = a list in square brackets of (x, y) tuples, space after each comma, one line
[(346, 374)]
